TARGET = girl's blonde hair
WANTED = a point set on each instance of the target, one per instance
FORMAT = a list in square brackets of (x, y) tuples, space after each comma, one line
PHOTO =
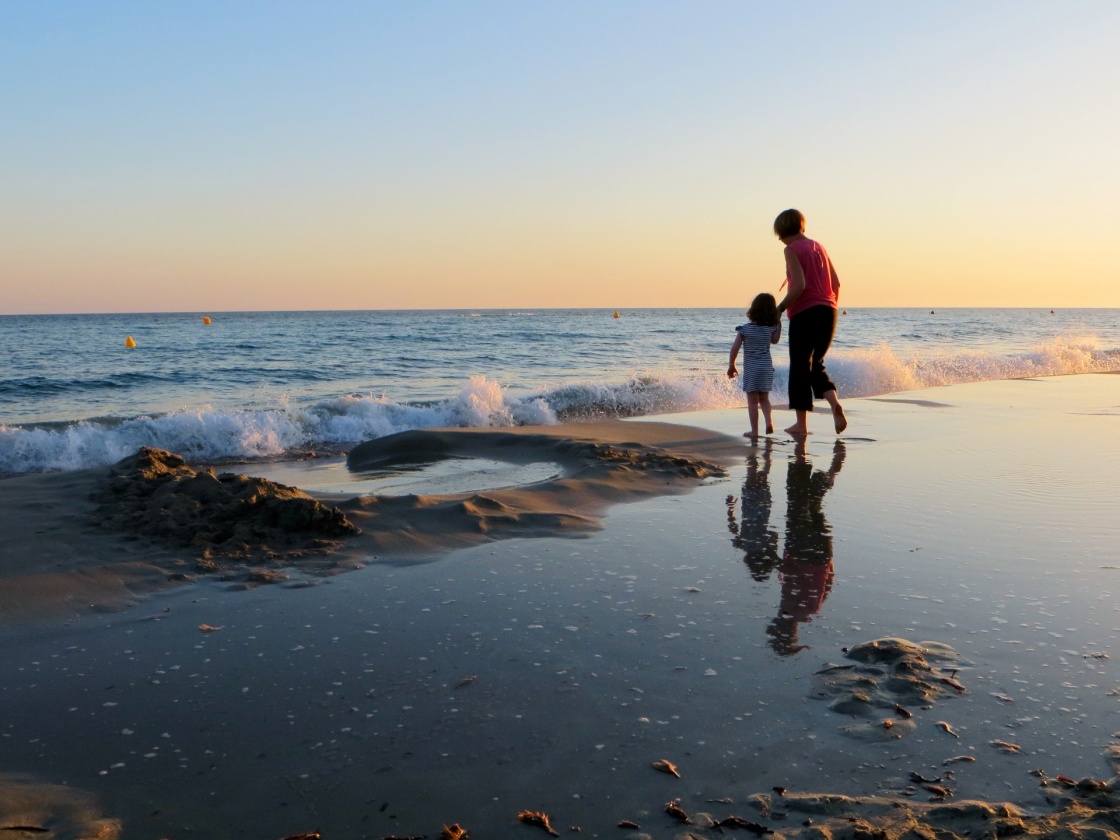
[(764, 310)]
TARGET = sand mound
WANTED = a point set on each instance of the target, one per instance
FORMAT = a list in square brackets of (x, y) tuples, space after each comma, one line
[(155, 494), (892, 675), (604, 463), (520, 447)]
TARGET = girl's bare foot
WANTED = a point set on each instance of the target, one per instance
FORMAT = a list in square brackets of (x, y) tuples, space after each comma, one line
[(797, 431), (839, 418), (770, 429)]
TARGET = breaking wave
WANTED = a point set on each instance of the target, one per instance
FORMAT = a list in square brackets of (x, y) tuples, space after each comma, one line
[(334, 425)]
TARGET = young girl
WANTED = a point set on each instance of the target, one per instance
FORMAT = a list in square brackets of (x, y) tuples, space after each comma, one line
[(764, 329)]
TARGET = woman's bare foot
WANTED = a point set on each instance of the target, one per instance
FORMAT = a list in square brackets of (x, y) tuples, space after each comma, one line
[(839, 418)]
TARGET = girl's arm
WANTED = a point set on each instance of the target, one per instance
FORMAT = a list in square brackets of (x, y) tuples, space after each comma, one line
[(776, 336), (732, 371), (796, 281)]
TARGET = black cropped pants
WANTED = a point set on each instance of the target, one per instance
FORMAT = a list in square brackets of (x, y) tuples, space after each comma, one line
[(810, 336)]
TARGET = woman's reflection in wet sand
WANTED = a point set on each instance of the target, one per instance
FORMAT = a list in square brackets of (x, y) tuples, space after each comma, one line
[(805, 564)]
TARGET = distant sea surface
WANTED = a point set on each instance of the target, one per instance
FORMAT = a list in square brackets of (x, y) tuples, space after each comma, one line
[(253, 385)]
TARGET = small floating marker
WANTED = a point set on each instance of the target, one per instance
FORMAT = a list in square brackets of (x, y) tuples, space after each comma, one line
[(128, 342), (931, 312), (206, 319), (616, 314), (845, 311)]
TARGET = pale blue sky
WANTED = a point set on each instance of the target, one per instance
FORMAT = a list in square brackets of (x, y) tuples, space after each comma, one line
[(213, 156)]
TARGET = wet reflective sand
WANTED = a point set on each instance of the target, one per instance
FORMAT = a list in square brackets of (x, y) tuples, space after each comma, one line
[(548, 673)]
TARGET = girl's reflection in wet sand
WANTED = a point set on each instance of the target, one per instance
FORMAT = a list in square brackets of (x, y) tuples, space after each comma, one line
[(754, 536)]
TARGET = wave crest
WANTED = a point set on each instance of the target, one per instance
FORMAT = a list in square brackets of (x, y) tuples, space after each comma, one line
[(209, 435)]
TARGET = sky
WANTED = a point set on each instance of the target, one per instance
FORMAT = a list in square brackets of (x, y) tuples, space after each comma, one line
[(219, 156)]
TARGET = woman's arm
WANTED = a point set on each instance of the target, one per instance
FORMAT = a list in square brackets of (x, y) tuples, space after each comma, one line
[(732, 371), (835, 279), (796, 281)]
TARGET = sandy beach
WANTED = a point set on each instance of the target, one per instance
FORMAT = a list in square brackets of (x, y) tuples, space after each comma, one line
[(671, 593)]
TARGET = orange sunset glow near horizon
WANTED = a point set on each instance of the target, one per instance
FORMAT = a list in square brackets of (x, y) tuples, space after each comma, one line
[(209, 157)]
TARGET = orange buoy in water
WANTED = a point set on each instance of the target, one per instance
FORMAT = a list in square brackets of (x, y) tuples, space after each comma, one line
[(616, 314), (206, 319), (128, 342)]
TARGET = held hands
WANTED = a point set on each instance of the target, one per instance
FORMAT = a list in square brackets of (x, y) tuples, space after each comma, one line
[(732, 371)]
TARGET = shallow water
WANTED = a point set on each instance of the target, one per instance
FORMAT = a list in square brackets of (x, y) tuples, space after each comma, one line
[(447, 475)]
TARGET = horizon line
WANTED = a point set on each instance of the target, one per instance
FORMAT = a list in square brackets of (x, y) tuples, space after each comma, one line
[(525, 309)]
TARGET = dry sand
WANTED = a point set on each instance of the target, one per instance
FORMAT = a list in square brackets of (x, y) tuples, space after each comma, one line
[(426, 711)]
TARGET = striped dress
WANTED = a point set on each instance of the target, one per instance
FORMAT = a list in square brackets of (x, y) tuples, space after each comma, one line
[(758, 367)]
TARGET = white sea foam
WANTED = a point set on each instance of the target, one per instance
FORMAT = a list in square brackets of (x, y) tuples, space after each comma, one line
[(336, 424), (219, 435), (880, 370)]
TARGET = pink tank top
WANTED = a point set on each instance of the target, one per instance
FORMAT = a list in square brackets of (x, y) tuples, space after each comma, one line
[(818, 277)]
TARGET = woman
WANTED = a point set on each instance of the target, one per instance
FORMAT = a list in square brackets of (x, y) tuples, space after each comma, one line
[(811, 299)]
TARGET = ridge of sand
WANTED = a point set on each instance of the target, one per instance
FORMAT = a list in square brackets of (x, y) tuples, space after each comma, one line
[(605, 463)]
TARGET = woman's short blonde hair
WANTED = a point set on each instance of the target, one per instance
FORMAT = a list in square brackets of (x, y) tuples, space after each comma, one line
[(789, 223)]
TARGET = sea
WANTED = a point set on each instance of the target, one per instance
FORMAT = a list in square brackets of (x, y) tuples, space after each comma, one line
[(245, 386)]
